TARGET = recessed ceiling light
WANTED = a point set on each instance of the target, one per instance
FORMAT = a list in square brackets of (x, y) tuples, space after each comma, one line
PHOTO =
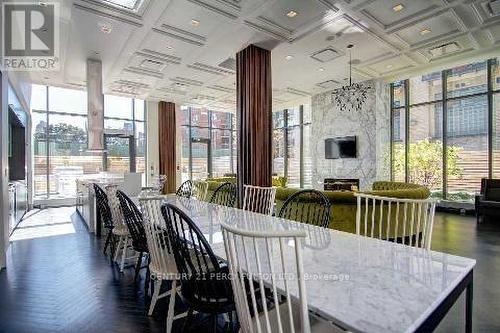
[(195, 23), (425, 31), (289, 57), (292, 13), (321, 69), (105, 28), (397, 8)]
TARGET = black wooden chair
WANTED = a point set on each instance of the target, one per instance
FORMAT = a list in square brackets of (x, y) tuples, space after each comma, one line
[(307, 206), (488, 202), (225, 195), (135, 224), (185, 190), (205, 282), (102, 204)]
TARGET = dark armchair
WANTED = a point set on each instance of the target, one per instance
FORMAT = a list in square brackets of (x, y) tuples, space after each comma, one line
[(488, 202)]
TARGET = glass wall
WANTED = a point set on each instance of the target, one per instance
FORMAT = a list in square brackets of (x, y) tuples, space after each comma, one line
[(448, 146), (60, 137), (291, 150), (398, 131), (124, 125), (208, 143)]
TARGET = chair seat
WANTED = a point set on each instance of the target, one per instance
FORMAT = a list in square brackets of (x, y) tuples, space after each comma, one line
[(120, 231), (217, 297)]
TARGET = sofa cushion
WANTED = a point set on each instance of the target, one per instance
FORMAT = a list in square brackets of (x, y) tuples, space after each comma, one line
[(492, 194)]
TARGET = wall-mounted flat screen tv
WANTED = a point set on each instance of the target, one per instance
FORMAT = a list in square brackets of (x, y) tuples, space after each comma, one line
[(341, 147)]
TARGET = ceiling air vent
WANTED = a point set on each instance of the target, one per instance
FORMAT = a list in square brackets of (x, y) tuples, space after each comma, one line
[(494, 7), (229, 63), (330, 84), (444, 49), (297, 92), (153, 65), (326, 55)]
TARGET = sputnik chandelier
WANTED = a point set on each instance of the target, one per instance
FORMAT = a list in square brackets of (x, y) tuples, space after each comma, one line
[(351, 97)]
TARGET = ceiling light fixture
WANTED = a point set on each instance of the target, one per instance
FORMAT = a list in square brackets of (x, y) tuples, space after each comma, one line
[(397, 8), (289, 57), (351, 97), (425, 31), (105, 28), (292, 13), (195, 23)]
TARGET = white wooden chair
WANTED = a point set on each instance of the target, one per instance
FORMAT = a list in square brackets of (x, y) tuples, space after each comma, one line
[(259, 199), (200, 189), (406, 221), (120, 229), (272, 259), (162, 265)]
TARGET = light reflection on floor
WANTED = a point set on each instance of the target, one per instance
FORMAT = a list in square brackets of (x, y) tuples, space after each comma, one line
[(45, 223)]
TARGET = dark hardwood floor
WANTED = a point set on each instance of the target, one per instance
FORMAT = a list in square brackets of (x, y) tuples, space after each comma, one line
[(61, 281)]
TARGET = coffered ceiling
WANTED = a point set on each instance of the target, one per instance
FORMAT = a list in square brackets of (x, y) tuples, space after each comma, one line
[(184, 50)]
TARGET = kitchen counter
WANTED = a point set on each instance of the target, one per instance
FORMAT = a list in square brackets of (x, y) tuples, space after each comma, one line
[(85, 198)]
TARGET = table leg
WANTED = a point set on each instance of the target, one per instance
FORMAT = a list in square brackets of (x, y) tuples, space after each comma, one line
[(468, 307)]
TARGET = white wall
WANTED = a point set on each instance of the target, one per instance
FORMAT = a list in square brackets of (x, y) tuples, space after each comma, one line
[(22, 89), (4, 170), (153, 161), (178, 143)]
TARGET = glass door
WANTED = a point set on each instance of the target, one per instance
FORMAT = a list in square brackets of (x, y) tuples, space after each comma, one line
[(201, 152), (119, 155)]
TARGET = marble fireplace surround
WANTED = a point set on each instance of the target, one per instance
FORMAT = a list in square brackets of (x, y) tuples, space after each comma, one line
[(370, 125)]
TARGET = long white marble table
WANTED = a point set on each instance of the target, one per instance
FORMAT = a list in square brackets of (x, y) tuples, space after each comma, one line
[(360, 284)]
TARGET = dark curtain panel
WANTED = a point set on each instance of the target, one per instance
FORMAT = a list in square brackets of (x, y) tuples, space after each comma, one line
[(166, 143), (254, 114)]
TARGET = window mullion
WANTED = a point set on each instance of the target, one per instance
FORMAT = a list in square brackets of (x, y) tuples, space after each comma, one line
[(391, 139), (47, 142), (301, 147), (285, 143), (190, 132), (490, 116), (407, 129), (444, 82)]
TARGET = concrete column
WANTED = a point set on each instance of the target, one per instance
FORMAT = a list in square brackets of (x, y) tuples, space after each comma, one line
[(4, 169), (95, 104)]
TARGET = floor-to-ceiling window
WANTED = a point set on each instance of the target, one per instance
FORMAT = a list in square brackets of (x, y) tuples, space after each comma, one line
[(441, 129), (60, 139), (291, 150), (495, 83), (208, 143), (125, 136)]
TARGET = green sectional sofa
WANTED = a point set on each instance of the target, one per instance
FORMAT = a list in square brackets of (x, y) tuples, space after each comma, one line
[(343, 214), (344, 204)]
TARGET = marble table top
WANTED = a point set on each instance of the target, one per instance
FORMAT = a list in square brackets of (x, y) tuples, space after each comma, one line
[(359, 283)]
